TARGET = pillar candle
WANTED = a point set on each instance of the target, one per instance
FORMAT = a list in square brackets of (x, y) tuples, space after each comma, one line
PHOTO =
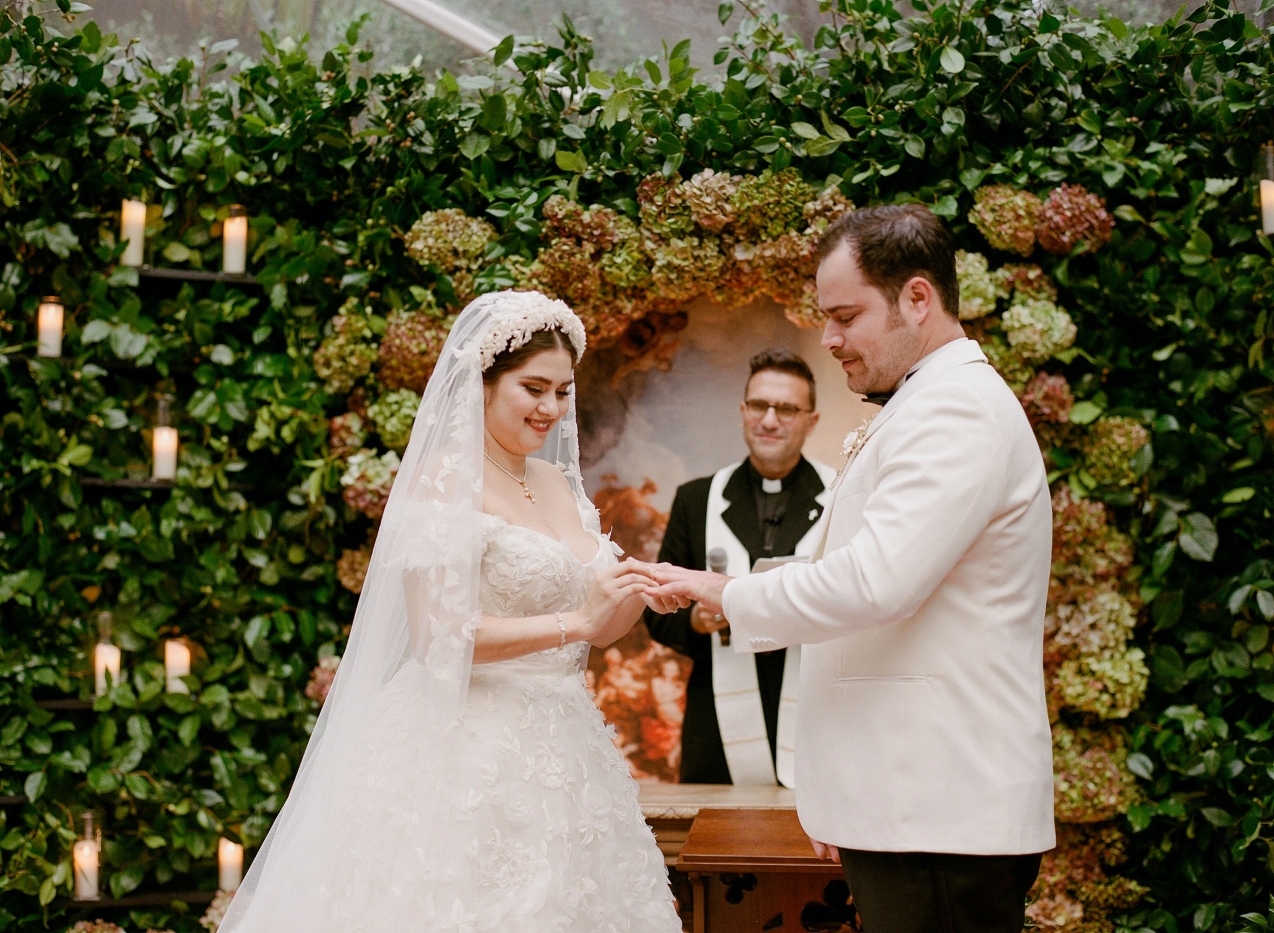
[(132, 227), (234, 241), (164, 442), (105, 660), (1267, 205), (176, 665), (229, 865), (84, 854), (50, 325)]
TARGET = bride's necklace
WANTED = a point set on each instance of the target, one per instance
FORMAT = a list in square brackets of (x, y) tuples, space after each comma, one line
[(526, 491)]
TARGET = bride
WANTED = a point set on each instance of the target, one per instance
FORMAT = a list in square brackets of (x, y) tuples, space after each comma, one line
[(459, 777)]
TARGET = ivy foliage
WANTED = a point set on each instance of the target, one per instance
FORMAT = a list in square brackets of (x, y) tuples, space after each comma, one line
[(336, 164)]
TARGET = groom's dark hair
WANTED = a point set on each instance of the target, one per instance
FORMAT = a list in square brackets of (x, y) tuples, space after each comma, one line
[(896, 242)]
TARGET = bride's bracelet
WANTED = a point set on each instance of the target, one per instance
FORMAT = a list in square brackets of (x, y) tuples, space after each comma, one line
[(561, 628)]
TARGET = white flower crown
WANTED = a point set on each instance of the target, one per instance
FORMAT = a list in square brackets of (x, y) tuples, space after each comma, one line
[(525, 314)]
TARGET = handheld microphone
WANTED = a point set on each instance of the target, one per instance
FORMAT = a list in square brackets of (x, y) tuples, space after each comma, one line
[(718, 561)]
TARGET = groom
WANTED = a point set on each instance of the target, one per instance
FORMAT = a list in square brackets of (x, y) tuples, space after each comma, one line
[(923, 754)]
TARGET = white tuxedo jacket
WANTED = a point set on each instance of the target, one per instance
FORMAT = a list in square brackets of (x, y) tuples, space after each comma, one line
[(922, 724)]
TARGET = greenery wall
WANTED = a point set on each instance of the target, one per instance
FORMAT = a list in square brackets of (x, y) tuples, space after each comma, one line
[(379, 205)]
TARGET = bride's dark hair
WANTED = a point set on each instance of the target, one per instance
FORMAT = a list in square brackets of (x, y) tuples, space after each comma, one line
[(548, 339)]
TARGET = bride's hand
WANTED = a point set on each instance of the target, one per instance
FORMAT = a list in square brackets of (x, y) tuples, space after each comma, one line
[(614, 603)]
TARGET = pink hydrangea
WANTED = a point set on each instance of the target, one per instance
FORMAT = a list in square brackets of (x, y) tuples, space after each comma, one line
[(1006, 217), (322, 676), (1048, 398), (1071, 217)]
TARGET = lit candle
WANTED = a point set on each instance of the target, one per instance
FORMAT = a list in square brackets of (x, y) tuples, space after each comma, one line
[(105, 661), (50, 324), (229, 865), (132, 228), (165, 453), (84, 855), (1267, 205), (234, 241), (176, 665)]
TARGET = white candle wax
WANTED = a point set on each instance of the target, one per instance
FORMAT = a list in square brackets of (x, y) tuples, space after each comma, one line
[(176, 665), (1267, 205), (165, 453), (50, 325), (132, 227), (84, 854), (229, 865), (105, 660), (234, 244)]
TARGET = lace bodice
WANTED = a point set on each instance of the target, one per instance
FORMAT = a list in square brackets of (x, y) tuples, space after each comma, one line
[(527, 573)]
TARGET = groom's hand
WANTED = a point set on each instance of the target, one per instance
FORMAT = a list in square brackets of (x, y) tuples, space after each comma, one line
[(679, 587)]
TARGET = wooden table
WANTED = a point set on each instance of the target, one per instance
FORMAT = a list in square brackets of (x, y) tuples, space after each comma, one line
[(749, 864)]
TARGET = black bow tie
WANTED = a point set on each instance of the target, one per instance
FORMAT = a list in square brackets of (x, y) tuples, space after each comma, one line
[(880, 398)]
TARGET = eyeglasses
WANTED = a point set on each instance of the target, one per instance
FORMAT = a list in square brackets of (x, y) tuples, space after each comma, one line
[(759, 408)]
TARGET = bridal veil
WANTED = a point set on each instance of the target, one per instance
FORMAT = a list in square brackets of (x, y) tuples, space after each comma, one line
[(432, 530)]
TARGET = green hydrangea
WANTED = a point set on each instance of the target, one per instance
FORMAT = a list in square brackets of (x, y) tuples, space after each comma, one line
[(1109, 448), (1110, 686), (665, 215), (1008, 363), (771, 204), (1091, 780), (1100, 622), (683, 268), (349, 350), (626, 265), (393, 414), (1006, 217), (412, 344), (455, 243), (1038, 329), (980, 289)]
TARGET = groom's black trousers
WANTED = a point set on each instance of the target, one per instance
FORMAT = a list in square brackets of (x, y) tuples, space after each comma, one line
[(923, 892)]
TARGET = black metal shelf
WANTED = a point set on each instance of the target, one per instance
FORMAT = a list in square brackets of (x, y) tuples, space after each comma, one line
[(12, 800), (94, 481), (197, 275), (64, 704), (139, 900)]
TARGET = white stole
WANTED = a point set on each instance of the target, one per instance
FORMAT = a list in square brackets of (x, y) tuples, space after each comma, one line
[(734, 683)]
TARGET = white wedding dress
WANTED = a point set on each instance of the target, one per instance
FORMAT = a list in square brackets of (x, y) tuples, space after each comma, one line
[(543, 832)]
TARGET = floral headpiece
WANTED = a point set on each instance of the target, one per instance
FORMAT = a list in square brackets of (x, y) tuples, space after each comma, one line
[(523, 314)]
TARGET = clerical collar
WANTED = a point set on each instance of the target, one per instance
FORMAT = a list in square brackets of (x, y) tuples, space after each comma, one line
[(770, 486)]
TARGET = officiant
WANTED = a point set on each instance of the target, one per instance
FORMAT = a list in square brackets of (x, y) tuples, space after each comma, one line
[(741, 708)]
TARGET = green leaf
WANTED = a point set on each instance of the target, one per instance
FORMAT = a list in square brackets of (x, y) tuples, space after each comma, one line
[(952, 60), (1085, 412), (35, 785), (817, 148), (176, 251), (805, 130), (502, 51), (1238, 494), (724, 12), (1198, 537)]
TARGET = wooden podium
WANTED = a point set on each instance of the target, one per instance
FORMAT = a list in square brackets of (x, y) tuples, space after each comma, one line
[(749, 864)]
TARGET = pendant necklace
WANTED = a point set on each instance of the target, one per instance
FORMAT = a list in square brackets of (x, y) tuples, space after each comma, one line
[(522, 482)]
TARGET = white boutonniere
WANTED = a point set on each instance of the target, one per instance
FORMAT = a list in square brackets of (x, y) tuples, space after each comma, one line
[(854, 439)]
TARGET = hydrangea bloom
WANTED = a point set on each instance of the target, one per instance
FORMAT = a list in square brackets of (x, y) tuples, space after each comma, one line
[(1037, 329), (979, 288), (322, 676), (565, 269), (1048, 398), (771, 204), (1087, 549), (453, 242), (346, 434), (709, 196), (1009, 364), (347, 353), (682, 268), (367, 481), (1100, 622), (216, 911), (596, 226), (1091, 781), (1006, 217), (664, 211), (1027, 280), (393, 414), (626, 265), (95, 926), (412, 344), (1071, 217), (351, 568), (825, 210), (1109, 448), (1074, 894), (1110, 686)]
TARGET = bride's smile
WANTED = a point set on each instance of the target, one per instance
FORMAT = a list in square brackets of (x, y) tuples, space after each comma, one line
[(524, 404)]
